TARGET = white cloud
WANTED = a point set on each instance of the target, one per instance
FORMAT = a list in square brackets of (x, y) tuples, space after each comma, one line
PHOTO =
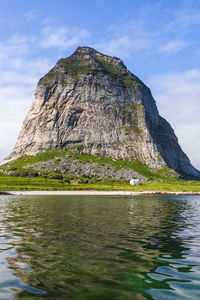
[(172, 47), (123, 46), (16, 95), (15, 101), (178, 97), (16, 46), (20, 73), (19, 76), (63, 37)]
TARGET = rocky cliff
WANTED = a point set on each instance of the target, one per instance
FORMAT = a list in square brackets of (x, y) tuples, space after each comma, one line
[(91, 103)]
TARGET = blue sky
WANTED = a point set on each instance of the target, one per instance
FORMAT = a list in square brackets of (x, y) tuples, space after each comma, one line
[(158, 41)]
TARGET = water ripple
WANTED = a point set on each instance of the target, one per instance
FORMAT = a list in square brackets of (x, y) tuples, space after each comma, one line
[(100, 247)]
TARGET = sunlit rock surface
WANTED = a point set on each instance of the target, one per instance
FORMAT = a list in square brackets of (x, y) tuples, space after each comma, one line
[(91, 103)]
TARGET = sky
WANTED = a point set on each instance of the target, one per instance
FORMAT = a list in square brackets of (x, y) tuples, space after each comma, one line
[(158, 41)]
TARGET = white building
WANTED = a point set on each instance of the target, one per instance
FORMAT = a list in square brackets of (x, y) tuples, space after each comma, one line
[(135, 182)]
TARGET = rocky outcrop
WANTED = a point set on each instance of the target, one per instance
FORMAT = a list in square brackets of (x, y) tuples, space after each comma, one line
[(74, 167), (90, 102)]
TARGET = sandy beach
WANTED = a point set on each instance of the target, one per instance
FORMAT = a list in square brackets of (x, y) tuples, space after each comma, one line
[(99, 193)]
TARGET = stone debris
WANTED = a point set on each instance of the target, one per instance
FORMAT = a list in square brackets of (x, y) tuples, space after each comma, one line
[(77, 168)]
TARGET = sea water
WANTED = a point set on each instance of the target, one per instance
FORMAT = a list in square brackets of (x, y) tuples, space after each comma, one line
[(100, 247)]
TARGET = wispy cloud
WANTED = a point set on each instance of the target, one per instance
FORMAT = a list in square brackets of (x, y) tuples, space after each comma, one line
[(142, 32), (184, 20), (123, 40), (16, 94), (62, 37), (20, 73), (123, 46), (31, 15), (19, 76), (172, 47), (177, 96), (16, 45)]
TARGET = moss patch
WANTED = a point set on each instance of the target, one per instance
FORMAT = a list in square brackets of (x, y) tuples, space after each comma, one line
[(122, 77), (75, 67), (50, 75)]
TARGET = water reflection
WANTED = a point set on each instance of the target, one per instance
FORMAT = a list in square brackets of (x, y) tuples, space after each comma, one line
[(100, 248)]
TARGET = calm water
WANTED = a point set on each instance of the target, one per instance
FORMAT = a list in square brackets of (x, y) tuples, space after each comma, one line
[(99, 247)]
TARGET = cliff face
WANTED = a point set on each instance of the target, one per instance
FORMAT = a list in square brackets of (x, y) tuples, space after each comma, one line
[(90, 102)]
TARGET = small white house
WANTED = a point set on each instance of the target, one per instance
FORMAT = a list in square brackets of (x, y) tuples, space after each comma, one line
[(135, 182)]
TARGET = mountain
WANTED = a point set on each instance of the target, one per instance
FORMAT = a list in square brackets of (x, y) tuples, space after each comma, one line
[(90, 103)]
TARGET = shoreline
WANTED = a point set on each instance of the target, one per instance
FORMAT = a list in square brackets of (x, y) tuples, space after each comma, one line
[(97, 193), (5, 193)]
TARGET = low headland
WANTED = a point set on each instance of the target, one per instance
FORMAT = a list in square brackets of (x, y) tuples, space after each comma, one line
[(47, 173)]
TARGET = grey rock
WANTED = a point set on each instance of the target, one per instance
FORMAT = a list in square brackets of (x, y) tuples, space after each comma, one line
[(91, 103), (77, 168)]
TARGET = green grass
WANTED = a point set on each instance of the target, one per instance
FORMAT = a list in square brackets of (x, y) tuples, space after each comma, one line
[(25, 160), (171, 186), (136, 165), (12, 183), (160, 180)]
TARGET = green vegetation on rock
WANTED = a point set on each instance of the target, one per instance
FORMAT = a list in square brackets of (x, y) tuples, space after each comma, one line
[(27, 160), (75, 67), (136, 106), (49, 78), (119, 76), (29, 179), (18, 164), (51, 75)]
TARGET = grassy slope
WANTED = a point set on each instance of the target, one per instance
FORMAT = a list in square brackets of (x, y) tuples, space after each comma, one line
[(160, 180), (137, 166), (9, 183)]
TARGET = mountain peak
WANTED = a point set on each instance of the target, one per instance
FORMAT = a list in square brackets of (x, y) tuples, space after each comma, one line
[(85, 49), (89, 52), (90, 103)]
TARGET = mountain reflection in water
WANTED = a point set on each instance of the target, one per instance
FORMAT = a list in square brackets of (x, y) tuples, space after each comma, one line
[(94, 247)]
